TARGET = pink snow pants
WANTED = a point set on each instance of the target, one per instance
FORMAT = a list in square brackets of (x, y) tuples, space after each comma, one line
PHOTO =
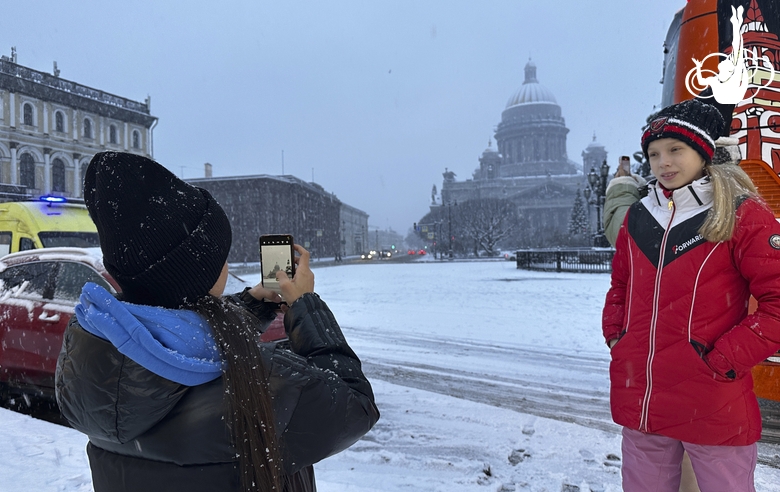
[(651, 463)]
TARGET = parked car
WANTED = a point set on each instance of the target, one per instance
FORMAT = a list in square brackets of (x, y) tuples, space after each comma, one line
[(38, 292)]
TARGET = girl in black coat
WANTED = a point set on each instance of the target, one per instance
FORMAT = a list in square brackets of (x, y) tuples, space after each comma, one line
[(168, 379)]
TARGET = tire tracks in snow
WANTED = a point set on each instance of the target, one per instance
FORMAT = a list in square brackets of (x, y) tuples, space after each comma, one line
[(546, 383), (559, 385)]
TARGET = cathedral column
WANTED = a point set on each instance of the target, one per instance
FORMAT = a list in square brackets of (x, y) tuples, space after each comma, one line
[(14, 166), (45, 124), (12, 108), (46, 170), (76, 175)]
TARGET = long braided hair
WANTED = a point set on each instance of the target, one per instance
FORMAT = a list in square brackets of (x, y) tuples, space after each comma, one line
[(250, 414)]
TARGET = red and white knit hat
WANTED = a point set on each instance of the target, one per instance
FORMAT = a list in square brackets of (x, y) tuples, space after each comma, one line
[(696, 123)]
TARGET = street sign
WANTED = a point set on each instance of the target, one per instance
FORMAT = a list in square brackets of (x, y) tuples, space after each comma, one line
[(430, 235)]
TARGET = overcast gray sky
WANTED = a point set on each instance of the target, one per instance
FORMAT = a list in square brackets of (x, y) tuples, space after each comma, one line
[(373, 99)]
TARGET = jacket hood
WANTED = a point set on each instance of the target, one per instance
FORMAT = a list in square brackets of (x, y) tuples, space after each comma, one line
[(176, 344)]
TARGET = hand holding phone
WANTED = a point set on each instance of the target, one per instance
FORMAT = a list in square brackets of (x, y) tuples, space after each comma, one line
[(302, 282), (276, 255)]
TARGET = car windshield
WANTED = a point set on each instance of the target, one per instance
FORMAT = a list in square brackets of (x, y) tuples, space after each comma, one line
[(69, 239)]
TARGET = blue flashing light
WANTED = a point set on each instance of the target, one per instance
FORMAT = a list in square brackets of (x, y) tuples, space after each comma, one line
[(50, 199), (53, 199)]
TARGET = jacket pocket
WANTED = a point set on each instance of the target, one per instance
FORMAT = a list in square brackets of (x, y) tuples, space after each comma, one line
[(702, 350)]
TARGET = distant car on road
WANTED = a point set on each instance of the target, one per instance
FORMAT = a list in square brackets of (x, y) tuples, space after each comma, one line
[(385, 254), (422, 252), (368, 256), (411, 252), (38, 292)]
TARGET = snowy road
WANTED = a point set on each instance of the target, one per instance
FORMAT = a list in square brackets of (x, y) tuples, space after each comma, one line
[(541, 383)]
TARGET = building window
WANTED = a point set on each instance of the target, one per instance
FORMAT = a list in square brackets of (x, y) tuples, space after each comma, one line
[(27, 171), (58, 175), (136, 139), (59, 122), (28, 114), (112, 134), (87, 128)]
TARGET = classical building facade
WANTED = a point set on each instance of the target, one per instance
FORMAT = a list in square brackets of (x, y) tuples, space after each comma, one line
[(51, 127), (530, 166), (264, 204)]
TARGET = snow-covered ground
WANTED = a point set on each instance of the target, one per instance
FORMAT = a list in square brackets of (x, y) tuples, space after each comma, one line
[(468, 360)]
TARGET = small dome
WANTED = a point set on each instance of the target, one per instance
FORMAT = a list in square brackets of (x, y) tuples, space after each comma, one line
[(531, 91), (489, 149), (594, 143)]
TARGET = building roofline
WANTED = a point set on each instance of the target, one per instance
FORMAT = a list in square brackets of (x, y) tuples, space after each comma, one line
[(15, 77)]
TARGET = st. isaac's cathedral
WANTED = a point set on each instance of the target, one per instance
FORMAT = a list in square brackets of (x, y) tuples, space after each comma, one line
[(530, 167)]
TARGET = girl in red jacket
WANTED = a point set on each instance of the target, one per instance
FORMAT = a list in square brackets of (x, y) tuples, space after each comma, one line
[(689, 256)]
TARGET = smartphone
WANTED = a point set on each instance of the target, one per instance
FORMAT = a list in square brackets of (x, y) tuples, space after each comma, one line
[(625, 164), (276, 253)]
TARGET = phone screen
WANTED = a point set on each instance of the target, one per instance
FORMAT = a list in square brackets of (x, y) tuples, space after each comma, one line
[(276, 253), (625, 164)]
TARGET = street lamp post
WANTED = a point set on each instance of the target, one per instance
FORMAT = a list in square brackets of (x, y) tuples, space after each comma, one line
[(596, 195), (449, 224)]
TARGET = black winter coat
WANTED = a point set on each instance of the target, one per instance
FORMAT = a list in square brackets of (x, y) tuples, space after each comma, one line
[(147, 433)]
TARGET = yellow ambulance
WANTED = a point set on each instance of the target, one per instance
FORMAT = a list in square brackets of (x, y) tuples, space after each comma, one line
[(46, 223)]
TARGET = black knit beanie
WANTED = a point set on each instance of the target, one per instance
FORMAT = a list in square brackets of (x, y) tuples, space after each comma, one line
[(164, 241), (696, 123)]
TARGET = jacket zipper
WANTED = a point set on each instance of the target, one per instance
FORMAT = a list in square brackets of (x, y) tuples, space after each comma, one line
[(653, 324)]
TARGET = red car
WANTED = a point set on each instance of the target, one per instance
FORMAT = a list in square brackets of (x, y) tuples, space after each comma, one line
[(38, 292)]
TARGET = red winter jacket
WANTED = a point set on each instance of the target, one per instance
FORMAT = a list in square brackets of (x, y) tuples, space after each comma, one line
[(678, 305)]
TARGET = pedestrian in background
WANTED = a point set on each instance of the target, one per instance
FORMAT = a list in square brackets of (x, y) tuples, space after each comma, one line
[(168, 379), (687, 259)]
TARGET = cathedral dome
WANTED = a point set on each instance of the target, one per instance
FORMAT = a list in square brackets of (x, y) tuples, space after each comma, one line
[(531, 92)]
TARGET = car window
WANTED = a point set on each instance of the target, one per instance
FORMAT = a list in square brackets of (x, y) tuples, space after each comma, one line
[(31, 280), (25, 244), (5, 243), (56, 239), (72, 277)]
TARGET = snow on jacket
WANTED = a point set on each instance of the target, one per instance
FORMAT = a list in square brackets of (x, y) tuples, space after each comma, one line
[(678, 305), (148, 433)]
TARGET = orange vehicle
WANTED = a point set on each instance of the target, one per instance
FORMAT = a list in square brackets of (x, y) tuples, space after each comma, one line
[(704, 27)]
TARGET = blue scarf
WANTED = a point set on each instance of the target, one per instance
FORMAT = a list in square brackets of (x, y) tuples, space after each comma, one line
[(176, 344)]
